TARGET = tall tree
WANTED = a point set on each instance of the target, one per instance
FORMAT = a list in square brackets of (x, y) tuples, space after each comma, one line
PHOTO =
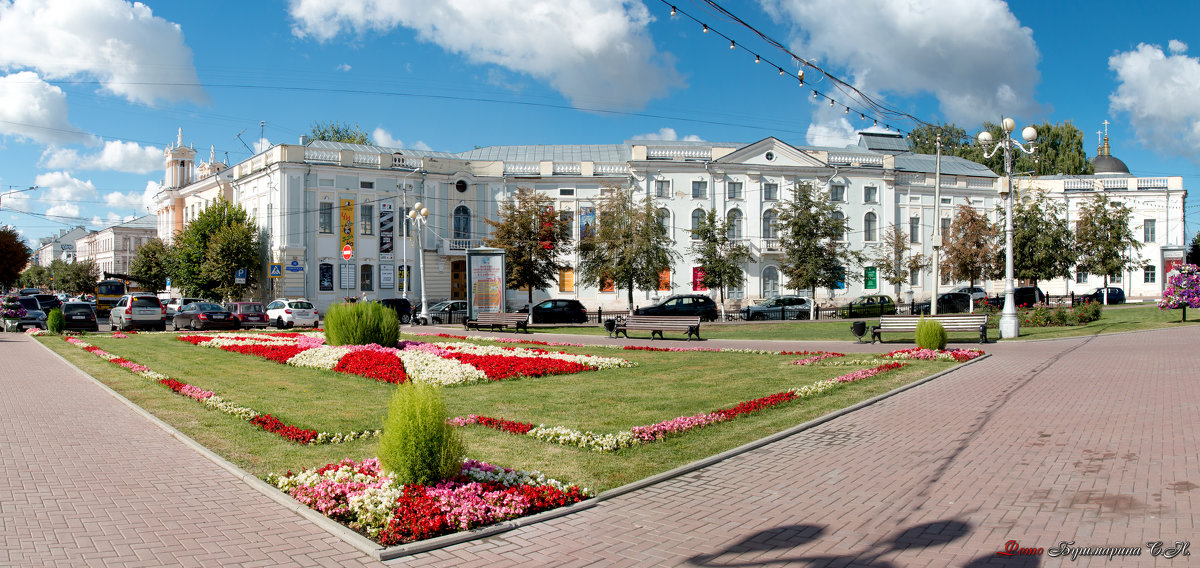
[(812, 233), (971, 247), (720, 253), (75, 278), (36, 276), (1193, 253), (1105, 241), (534, 239), (339, 132), (894, 258), (630, 247), (14, 255), (190, 255), (1043, 244), (1059, 146), (152, 264), (231, 247)]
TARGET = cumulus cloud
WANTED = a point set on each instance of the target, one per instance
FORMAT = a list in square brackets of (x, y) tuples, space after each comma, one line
[(343, 67), (830, 128), (116, 156), (585, 49), (384, 138), (62, 193), (118, 200), (667, 134), (109, 219), (33, 109), (69, 210), (261, 145), (1158, 92), (152, 188), (946, 48), (131, 52)]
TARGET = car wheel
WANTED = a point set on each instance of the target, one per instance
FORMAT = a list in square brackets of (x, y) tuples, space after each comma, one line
[(279, 322), (405, 319)]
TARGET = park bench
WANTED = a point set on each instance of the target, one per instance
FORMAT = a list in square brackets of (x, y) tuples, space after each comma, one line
[(658, 324), (952, 322), (517, 321)]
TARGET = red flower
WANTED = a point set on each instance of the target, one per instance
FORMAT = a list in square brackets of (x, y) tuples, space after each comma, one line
[(499, 367), (276, 426), (277, 353), (757, 404), (503, 425), (377, 365)]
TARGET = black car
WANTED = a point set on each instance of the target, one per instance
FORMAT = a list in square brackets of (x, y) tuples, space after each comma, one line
[(1024, 296), (1115, 295), (79, 315), (449, 311), (948, 303), (203, 315), (682, 305), (558, 311), (47, 301), (34, 316), (871, 305), (401, 306)]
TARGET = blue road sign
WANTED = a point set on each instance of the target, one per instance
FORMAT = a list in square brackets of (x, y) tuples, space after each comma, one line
[(276, 270)]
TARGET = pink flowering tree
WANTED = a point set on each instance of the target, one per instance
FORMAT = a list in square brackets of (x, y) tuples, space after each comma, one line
[(1183, 290)]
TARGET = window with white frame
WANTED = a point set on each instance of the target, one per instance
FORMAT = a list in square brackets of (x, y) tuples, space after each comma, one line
[(699, 189), (914, 277), (914, 230), (664, 220), (770, 191), (1148, 231), (945, 227), (697, 219), (365, 279), (770, 217), (1149, 275), (838, 216), (1081, 275), (770, 282), (733, 224), (662, 188), (733, 190), (869, 222), (367, 219), (837, 192), (462, 222), (870, 194), (1115, 278), (567, 218)]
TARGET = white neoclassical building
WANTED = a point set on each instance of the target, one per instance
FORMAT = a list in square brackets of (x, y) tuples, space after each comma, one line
[(317, 199)]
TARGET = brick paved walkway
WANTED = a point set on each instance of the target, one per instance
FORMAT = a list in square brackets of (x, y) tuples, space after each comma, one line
[(1092, 440)]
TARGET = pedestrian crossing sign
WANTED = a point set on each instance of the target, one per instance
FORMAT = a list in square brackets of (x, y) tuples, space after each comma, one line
[(276, 270)]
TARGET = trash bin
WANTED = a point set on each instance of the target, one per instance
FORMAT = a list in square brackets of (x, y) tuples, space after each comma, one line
[(859, 329)]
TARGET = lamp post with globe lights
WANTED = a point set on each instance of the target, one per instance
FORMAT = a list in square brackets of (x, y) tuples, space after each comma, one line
[(1009, 322), (420, 216)]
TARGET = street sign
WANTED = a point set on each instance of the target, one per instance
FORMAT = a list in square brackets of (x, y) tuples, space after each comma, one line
[(239, 277), (276, 270), (347, 252), (168, 282), (295, 266)]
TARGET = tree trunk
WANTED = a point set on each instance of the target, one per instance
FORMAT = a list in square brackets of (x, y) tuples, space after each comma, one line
[(629, 292)]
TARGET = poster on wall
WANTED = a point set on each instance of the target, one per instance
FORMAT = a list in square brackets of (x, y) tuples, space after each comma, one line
[(698, 279), (566, 280), (387, 216), (325, 280), (485, 281), (387, 276), (587, 222), (870, 279), (664, 280), (347, 223)]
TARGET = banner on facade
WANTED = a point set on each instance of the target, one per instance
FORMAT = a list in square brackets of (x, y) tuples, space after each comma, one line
[(485, 281), (387, 216), (387, 276), (566, 280), (698, 279), (347, 225), (587, 222), (870, 278), (664, 280)]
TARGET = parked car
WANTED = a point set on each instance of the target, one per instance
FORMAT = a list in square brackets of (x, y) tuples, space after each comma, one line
[(203, 315), (48, 301), (873, 305), (248, 314), (948, 303), (975, 291), (450, 311), (138, 310), (401, 306), (1024, 296), (34, 316), (558, 311), (79, 315), (295, 312), (1115, 295), (173, 305), (682, 305), (791, 307), (29, 291)]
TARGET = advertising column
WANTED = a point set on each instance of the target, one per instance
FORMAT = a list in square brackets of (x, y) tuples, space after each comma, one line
[(485, 281)]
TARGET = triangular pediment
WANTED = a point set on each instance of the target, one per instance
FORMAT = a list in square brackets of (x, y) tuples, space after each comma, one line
[(771, 151)]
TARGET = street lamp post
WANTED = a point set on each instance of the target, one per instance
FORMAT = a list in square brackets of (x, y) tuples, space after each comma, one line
[(420, 216), (1009, 322)]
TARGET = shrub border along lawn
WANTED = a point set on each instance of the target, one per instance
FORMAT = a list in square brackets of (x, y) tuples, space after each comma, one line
[(377, 552)]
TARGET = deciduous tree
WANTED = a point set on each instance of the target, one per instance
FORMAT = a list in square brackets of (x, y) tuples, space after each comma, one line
[(1043, 244), (534, 239), (971, 247), (1059, 148), (189, 266), (720, 253), (339, 132), (630, 247), (151, 264), (75, 278), (812, 233), (894, 258), (14, 255), (1104, 239)]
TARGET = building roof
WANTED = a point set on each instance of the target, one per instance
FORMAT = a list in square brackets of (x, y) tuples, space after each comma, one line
[(374, 149), (547, 153), (1110, 165), (951, 165), (888, 142)]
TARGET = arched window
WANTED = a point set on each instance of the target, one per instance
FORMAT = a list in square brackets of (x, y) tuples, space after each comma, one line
[(697, 219), (770, 217), (837, 216), (462, 222), (733, 223), (869, 221), (770, 282), (664, 221)]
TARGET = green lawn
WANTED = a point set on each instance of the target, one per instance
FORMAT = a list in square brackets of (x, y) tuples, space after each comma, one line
[(663, 386)]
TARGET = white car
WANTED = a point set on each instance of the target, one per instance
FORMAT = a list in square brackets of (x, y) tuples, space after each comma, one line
[(976, 292), (295, 312), (137, 310)]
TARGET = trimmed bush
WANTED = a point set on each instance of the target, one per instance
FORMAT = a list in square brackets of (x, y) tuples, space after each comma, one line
[(418, 445), (930, 334), (361, 323), (55, 321)]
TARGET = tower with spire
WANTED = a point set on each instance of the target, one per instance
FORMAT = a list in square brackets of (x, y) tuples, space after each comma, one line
[(179, 162)]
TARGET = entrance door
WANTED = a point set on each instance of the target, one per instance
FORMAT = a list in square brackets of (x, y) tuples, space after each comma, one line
[(458, 280)]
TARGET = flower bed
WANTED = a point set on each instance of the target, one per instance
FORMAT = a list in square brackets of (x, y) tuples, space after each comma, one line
[(437, 363), (360, 496), (955, 355)]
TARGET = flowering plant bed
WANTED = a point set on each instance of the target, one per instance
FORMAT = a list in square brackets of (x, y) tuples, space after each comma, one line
[(364, 498), (956, 355), (438, 363)]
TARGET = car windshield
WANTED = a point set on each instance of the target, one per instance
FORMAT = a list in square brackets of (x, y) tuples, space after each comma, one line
[(251, 308), (300, 305)]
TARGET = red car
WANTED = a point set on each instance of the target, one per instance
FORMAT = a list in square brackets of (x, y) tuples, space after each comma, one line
[(248, 314)]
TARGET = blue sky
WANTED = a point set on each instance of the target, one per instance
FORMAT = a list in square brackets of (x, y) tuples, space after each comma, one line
[(91, 91)]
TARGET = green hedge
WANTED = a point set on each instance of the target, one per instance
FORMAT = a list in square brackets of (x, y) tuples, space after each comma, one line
[(361, 324)]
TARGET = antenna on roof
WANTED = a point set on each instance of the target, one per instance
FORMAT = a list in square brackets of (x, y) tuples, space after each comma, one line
[(239, 139)]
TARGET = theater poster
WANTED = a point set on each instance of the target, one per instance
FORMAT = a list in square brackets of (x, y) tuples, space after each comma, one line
[(347, 225), (587, 223), (485, 281), (387, 216)]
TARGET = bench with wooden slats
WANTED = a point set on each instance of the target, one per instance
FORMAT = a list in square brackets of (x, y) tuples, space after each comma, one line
[(499, 321), (952, 322), (658, 324)]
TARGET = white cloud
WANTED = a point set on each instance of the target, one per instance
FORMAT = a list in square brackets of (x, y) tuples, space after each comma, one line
[(1177, 46), (130, 51), (109, 219), (948, 48), (1158, 92), (115, 156), (384, 138), (63, 210), (62, 193), (118, 200), (152, 188), (830, 127), (261, 145), (594, 52), (33, 109), (343, 67), (667, 134)]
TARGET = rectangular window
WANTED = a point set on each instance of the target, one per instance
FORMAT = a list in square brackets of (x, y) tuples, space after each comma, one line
[(347, 276), (945, 228), (914, 230), (837, 193), (567, 218), (733, 189), (366, 279), (870, 194), (1115, 278), (1148, 231), (945, 201), (366, 219), (366, 185), (699, 189), (770, 191), (325, 217), (1081, 275), (662, 188), (914, 277), (566, 191), (1150, 274)]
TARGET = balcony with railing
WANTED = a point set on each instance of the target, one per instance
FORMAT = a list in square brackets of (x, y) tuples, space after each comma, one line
[(848, 159), (566, 168), (522, 168), (682, 153), (458, 247), (607, 169), (322, 155)]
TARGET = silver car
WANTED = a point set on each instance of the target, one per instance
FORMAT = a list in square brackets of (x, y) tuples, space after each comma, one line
[(296, 312), (779, 307), (143, 311)]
